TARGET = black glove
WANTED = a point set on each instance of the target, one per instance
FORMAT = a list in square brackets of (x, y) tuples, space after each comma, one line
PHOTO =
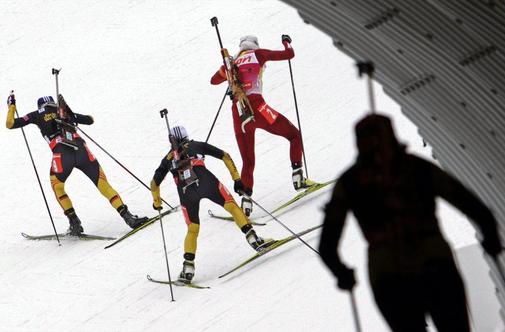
[(238, 187), (345, 276), (492, 245), (286, 38), (11, 100), (157, 208)]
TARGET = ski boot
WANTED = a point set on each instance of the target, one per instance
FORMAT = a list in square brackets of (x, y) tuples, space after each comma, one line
[(300, 182), (255, 241), (75, 228), (131, 220), (187, 273), (246, 206)]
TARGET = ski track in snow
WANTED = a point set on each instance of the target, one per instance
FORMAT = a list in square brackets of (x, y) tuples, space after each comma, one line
[(122, 62)]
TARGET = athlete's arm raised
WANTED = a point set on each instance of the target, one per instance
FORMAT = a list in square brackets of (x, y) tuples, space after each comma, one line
[(219, 77), (13, 123), (265, 55)]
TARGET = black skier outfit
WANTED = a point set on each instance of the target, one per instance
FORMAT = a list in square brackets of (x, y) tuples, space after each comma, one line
[(411, 267), (66, 158), (208, 186), (203, 185)]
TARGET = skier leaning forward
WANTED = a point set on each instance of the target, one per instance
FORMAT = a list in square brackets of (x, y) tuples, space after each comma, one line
[(65, 158), (202, 185), (250, 62)]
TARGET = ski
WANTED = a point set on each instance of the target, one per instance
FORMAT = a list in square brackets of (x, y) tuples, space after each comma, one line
[(306, 192), (284, 205), (177, 283), (147, 223), (276, 244), (83, 236), (230, 218)]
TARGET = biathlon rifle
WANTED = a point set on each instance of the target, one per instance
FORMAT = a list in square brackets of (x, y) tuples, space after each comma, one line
[(236, 88), (64, 122), (180, 160)]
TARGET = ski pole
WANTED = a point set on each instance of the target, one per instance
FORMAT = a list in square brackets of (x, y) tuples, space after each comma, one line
[(166, 256), (217, 114), (117, 161), (298, 116), (282, 224), (367, 67), (38, 179), (355, 311)]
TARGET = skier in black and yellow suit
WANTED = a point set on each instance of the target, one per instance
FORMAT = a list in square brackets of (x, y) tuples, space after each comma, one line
[(66, 157), (194, 182)]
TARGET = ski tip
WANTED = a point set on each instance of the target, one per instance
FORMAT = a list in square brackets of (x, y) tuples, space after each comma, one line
[(149, 277), (210, 213), (26, 236)]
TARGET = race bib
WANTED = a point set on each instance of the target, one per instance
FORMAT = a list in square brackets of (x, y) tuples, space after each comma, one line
[(56, 165), (268, 113)]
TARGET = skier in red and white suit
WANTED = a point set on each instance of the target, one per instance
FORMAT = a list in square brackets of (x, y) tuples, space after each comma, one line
[(251, 62)]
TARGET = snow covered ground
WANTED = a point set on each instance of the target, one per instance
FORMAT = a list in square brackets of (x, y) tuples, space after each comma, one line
[(123, 61)]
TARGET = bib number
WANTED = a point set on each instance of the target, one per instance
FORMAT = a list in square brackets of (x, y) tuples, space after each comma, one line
[(268, 113)]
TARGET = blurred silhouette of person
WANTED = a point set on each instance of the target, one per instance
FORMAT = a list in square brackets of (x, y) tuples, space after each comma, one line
[(411, 267)]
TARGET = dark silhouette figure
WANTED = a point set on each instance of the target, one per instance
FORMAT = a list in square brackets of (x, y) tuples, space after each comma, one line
[(411, 267)]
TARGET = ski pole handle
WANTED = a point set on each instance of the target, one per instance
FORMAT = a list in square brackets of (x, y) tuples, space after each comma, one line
[(11, 100)]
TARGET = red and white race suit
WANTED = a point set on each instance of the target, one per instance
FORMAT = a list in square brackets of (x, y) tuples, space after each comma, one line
[(251, 64)]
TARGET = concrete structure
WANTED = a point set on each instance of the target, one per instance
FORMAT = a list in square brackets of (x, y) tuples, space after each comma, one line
[(443, 62)]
